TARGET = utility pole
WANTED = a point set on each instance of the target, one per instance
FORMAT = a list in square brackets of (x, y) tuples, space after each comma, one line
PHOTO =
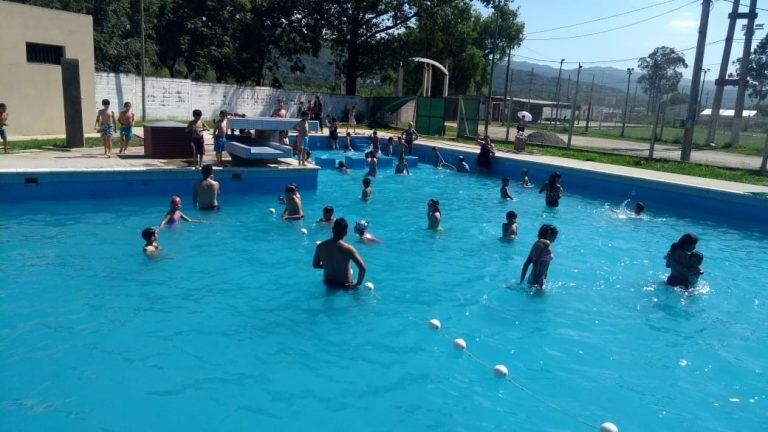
[(530, 88), (602, 112), (573, 105), (506, 79), (693, 97), (722, 74), (557, 92), (626, 101), (632, 109), (509, 106), (706, 99), (743, 74), (143, 66), (701, 92), (589, 110), (489, 104)]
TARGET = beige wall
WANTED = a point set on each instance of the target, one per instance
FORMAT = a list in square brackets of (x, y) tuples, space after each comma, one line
[(33, 91)]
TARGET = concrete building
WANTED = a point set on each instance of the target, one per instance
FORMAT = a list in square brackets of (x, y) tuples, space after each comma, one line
[(32, 43)]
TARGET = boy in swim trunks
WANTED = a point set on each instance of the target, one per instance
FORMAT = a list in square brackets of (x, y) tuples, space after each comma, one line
[(504, 191), (106, 123), (126, 120), (196, 127), (151, 247), (3, 124), (334, 255), (220, 136), (302, 137)]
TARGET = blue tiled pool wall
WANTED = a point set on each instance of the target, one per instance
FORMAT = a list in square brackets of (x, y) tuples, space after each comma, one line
[(677, 199), (54, 186)]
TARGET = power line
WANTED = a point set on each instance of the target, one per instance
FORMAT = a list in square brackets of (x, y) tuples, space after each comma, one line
[(615, 28), (745, 5), (600, 19)]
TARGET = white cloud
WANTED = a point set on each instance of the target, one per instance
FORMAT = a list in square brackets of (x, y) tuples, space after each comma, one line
[(683, 24)]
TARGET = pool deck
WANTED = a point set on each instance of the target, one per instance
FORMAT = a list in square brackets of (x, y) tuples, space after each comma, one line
[(92, 159)]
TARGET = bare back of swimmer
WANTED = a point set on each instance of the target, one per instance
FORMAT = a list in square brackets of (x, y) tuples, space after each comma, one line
[(333, 256)]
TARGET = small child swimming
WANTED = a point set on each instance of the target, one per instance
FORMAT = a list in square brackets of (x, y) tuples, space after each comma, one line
[(174, 215), (388, 146), (524, 181), (504, 191), (402, 166), (342, 168), (366, 195), (509, 228), (327, 216), (151, 247), (361, 229)]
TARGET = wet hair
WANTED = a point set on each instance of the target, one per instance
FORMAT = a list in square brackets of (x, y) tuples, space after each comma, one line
[(548, 232), (687, 241), (328, 210), (639, 207), (366, 181), (223, 112), (105, 102), (2, 105), (554, 178), (505, 179), (148, 233), (390, 139), (126, 104), (349, 133), (524, 171), (374, 132), (290, 190), (340, 228), (434, 203), (434, 148), (207, 170), (341, 165), (197, 113), (511, 215)]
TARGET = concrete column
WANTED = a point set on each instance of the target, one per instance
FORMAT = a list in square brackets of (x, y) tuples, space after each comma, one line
[(73, 107)]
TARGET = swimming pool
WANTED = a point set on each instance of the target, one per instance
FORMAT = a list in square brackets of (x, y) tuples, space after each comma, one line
[(233, 330)]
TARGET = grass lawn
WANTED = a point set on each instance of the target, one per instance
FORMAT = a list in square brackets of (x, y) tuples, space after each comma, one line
[(705, 171), (750, 143), (60, 143)]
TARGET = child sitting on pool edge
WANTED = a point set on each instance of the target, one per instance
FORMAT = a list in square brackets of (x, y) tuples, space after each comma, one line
[(150, 241)]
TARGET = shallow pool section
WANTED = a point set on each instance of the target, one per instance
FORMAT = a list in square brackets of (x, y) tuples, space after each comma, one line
[(232, 330)]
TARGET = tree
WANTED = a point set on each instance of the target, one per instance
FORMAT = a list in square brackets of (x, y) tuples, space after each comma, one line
[(499, 33), (757, 73), (660, 73), (360, 31)]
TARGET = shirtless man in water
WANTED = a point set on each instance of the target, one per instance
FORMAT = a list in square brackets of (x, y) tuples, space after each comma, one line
[(334, 255), (293, 209), (206, 192)]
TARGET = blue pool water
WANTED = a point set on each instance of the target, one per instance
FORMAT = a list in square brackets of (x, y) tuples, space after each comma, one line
[(232, 329)]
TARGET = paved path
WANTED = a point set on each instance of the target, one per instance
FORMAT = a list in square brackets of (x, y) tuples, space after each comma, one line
[(609, 145)]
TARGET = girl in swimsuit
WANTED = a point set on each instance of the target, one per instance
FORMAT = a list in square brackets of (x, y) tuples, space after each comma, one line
[(434, 215), (553, 190), (174, 214), (683, 268), (373, 165), (540, 257)]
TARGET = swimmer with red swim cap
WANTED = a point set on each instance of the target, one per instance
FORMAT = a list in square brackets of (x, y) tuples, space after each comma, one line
[(174, 214)]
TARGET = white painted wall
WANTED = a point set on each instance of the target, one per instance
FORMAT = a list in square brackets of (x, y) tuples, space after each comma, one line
[(176, 98)]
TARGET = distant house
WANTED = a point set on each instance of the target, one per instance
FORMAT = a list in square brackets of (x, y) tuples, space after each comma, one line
[(33, 42), (729, 113)]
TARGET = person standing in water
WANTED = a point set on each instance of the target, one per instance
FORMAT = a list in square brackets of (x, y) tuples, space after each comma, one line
[(487, 151), (540, 257), (402, 166), (410, 136), (293, 210), (174, 215), (434, 215), (509, 228), (333, 256), (679, 261), (205, 195), (151, 248), (504, 191), (373, 165), (366, 194), (327, 218), (553, 190)]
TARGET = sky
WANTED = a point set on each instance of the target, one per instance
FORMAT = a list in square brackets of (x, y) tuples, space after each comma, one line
[(677, 29)]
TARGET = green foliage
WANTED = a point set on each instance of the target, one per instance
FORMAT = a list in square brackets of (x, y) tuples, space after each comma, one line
[(660, 72)]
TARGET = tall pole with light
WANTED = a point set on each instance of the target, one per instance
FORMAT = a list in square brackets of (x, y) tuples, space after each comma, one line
[(143, 67)]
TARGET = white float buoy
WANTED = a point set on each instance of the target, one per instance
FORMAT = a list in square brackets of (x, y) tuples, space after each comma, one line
[(434, 324), (271, 211), (608, 427), (303, 231), (369, 286), (460, 344), (318, 242), (500, 371)]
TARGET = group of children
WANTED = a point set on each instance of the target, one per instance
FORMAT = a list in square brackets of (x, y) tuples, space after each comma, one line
[(106, 124)]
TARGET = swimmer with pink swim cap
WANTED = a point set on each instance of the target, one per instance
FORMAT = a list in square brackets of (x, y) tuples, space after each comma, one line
[(174, 214)]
